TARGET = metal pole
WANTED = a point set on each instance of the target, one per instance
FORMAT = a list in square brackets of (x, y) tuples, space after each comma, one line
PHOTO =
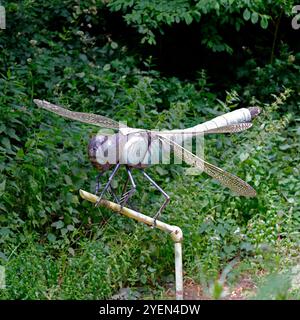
[(178, 271), (174, 231)]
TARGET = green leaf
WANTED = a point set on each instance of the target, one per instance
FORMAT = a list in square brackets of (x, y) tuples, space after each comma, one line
[(143, 279), (58, 224), (70, 227), (114, 45), (83, 57), (246, 14), (4, 231), (2, 127), (254, 17), (12, 134), (20, 154), (51, 237), (64, 231), (188, 18), (246, 246), (6, 143), (71, 251), (2, 186), (68, 180), (244, 156), (106, 67), (3, 256), (284, 147), (161, 171), (264, 22), (80, 74)]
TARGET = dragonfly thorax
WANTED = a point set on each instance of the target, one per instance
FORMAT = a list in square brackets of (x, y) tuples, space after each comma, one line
[(131, 149)]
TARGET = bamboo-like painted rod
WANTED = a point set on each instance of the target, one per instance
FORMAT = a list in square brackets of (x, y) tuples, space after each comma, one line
[(174, 231)]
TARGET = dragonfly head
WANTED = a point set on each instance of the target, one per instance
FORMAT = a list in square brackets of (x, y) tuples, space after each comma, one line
[(102, 151)]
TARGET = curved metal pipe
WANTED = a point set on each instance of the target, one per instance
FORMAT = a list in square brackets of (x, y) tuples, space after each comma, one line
[(174, 231)]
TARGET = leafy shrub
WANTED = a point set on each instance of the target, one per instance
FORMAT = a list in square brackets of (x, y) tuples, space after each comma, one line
[(75, 61), (152, 16)]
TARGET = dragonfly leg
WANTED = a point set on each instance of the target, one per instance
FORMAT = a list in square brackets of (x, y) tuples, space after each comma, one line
[(112, 193), (110, 190), (108, 183), (125, 186), (167, 198), (98, 184), (126, 195)]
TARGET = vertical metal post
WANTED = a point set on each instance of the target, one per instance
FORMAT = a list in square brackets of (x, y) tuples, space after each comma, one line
[(178, 271), (177, 237), (174, 231)]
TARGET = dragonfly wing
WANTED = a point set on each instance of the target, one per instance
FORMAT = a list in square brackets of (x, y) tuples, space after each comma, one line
[(238, 127), (234, 121), (89, 118), (227, 179), (224, 129)]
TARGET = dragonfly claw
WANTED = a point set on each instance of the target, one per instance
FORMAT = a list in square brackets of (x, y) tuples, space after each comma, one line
[(154, 224)]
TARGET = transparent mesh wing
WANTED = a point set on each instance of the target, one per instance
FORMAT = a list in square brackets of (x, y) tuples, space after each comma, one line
[(89, 118), (225, 129), (227, 179), (231, 128)]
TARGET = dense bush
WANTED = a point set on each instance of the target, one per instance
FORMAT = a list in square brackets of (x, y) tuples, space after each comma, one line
[(151, 16), (68, 52)]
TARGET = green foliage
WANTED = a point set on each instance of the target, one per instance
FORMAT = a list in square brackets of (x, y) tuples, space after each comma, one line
[(152, 16), (62, 51), (283, 72), (280, 286)]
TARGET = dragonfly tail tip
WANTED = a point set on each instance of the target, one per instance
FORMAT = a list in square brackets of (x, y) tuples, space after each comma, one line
[(254, 111)]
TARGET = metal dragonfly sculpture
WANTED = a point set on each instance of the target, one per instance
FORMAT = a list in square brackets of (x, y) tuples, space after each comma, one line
[(139, 148)]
